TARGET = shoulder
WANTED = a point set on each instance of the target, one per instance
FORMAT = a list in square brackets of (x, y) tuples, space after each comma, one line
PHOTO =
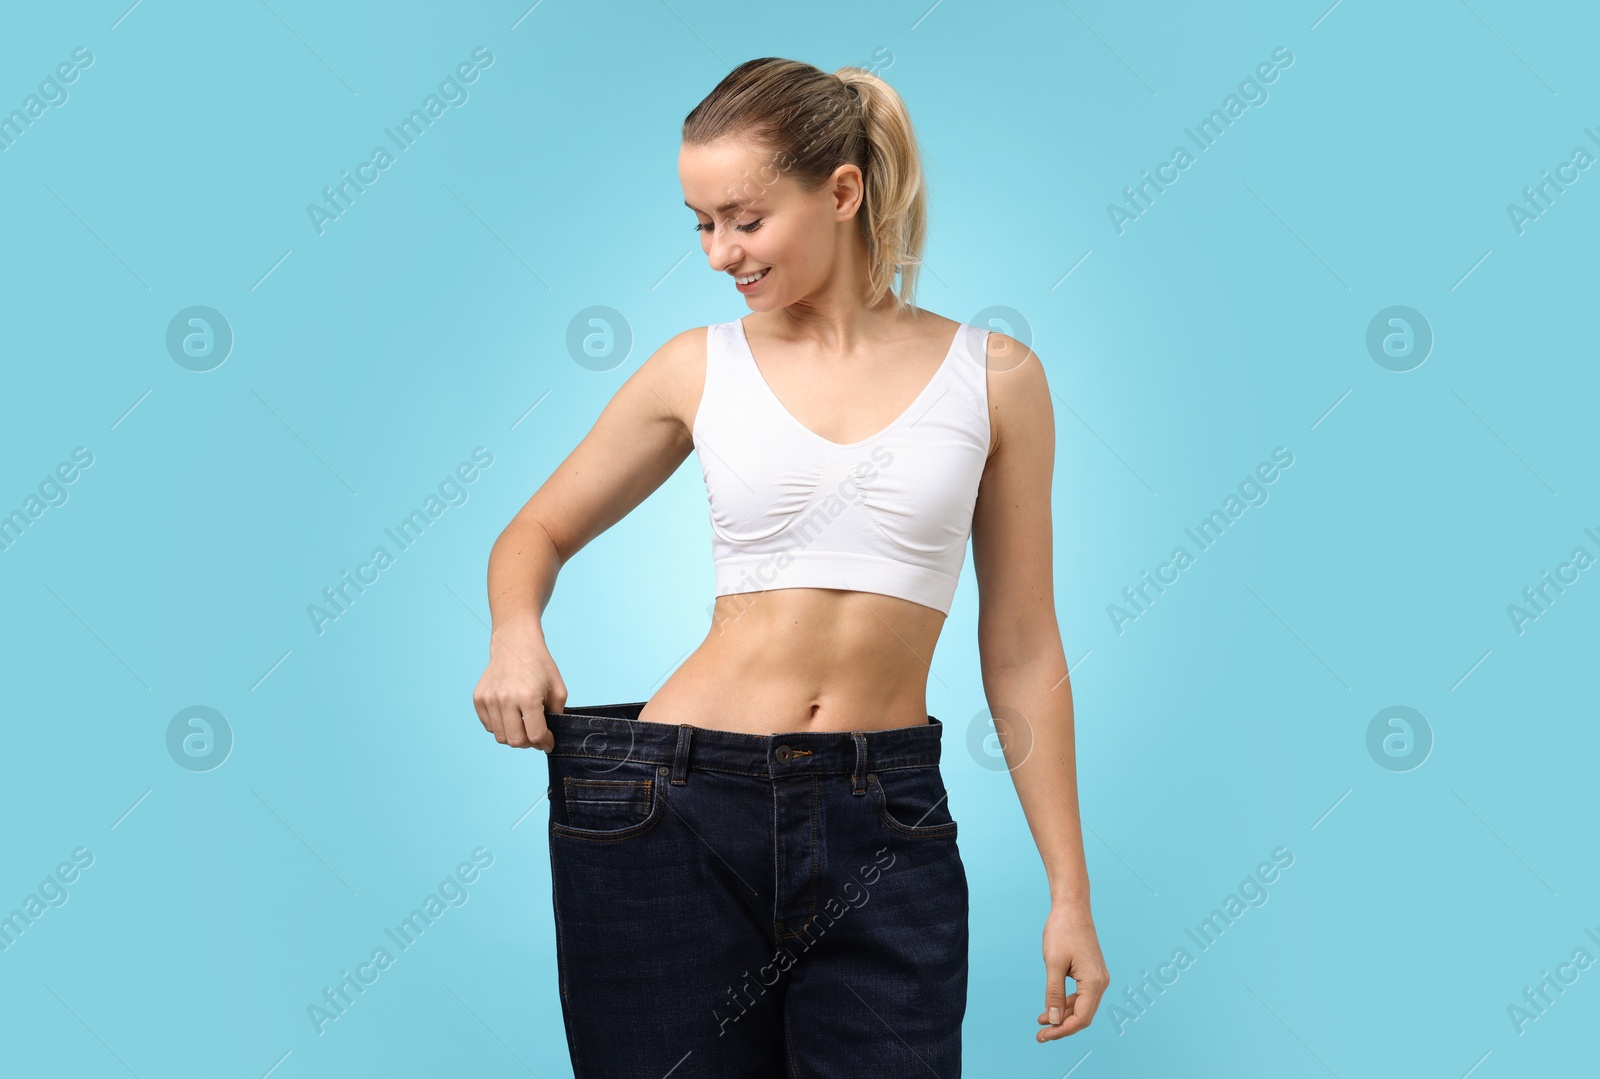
[(680, 350), (931, 328), (675, 373), (1019, 394)]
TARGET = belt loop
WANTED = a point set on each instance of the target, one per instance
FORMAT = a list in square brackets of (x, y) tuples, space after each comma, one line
[(680, 760), (858, 778)]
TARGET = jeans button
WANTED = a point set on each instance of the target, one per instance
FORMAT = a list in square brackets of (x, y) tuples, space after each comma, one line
[(784, 753)]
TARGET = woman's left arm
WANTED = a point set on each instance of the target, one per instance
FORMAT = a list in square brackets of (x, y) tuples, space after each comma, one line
[(1025, 670)]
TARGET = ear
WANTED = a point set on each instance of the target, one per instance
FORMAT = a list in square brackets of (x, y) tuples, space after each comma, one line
[(848, 190)]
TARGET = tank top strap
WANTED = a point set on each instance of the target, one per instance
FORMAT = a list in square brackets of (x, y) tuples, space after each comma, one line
[(726, 391), (969, 364)]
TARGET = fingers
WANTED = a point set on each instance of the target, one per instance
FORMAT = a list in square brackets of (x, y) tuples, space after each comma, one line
[(1072, 1020), (1044, 1016), (555, 697), (1056, 1007), (521, 724), (1068, 1014), (480, 704), (1090, 990), (1055, 996), (511, 696), (1077, 1011), (503, 718), (489, 711), (517, 718), (539, 735)]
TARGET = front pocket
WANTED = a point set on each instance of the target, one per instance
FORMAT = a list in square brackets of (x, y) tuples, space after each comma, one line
[(912, 802), (607, 808)]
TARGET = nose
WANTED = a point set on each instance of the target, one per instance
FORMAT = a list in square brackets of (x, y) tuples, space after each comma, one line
[(723, 251)]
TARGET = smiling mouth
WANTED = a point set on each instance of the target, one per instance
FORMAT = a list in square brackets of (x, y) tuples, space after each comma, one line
[(752, 278)]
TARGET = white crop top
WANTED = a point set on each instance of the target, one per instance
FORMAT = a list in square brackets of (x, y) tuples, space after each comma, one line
[(891, 513)]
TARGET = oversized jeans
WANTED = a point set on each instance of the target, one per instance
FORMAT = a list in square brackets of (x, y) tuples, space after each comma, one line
[(743, 905)]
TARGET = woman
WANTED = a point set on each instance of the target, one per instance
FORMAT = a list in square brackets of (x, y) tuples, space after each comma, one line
[(755, 872)]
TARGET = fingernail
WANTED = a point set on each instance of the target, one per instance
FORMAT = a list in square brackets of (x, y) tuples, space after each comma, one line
[(1055, 1016)]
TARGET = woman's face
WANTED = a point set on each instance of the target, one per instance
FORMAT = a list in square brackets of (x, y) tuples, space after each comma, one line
[(753, 217)]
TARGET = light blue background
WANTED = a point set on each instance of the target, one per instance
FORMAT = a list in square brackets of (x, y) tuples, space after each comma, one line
[(1231, 718)]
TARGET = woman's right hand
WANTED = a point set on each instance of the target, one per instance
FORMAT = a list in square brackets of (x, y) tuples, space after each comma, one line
[(520, 684)]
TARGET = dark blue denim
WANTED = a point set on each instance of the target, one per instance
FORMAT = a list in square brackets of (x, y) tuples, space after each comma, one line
[(741, 905)]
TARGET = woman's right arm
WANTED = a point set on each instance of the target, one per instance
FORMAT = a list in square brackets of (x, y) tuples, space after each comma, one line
[(640, 438)]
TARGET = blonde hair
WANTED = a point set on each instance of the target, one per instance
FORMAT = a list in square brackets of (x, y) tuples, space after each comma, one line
[(813, 122)]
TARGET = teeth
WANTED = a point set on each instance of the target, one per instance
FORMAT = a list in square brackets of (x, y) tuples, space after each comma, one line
[(752, 277)]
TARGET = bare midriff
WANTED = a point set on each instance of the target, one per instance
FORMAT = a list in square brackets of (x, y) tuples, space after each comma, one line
[(805, 659)]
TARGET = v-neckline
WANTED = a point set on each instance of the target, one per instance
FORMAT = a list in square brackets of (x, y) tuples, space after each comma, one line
[(749, 354)]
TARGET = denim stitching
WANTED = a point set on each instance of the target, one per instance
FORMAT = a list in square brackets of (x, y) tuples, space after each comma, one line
[(555, 909), (816, 816), (570, 783), (923, 831), (562, 962), (742, 772), (777, 882), (680, 760), (902, 758), (795, 934), (657, 802)]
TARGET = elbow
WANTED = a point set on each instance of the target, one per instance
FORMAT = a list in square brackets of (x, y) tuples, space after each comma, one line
[(1013, 648), (526, 529)]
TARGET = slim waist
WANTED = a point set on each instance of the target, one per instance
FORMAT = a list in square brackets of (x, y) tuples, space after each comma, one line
[(614, 732)]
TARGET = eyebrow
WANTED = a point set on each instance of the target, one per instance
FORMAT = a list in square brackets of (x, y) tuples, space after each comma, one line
[(726, 206)]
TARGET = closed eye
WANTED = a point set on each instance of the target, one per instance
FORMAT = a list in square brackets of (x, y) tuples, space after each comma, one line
[(751, 227)]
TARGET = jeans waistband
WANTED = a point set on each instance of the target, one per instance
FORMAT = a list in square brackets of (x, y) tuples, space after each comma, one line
[(614, 732)]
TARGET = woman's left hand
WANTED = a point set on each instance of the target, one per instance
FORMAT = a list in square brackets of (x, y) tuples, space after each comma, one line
[(1071, 949)]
